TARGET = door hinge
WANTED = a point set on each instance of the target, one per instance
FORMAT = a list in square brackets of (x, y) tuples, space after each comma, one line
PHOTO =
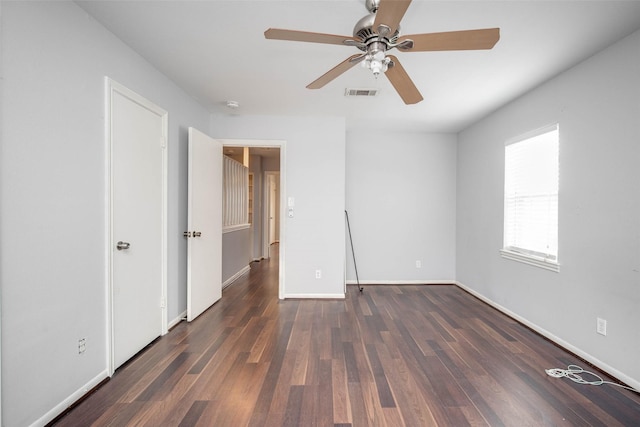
[(187, 234), (163, 303), (163, 141)]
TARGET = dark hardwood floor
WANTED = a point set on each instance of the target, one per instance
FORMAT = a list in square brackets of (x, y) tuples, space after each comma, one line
[(391, 356)]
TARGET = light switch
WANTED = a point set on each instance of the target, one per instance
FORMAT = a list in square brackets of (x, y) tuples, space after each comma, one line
[(291, 202)]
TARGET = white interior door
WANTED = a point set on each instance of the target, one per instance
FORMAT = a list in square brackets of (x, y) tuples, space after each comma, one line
[(204, 229), (138, 222), (271, 222), (273, 209)]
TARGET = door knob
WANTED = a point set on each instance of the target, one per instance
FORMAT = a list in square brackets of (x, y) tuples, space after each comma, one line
[(122, 245), (197, 233)]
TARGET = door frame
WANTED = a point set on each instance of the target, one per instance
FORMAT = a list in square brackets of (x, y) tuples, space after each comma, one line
[(283, 185), (111, 87)]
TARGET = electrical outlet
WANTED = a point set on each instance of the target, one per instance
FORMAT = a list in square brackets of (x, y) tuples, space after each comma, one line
[(318, 274), (601, 326), (418, 264), (82, 345)]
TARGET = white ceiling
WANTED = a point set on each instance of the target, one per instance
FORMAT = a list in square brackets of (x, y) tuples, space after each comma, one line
[(216, 51)]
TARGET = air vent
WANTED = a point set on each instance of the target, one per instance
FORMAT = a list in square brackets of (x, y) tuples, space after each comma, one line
[(360, 92)]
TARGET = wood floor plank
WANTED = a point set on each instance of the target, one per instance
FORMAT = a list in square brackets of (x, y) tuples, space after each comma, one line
[(301, 356), (261, 342), (166, 379), (409, 400), (161, 411), (270, 383), (340, 392), (294, 406), (388, 356), (194, 413), (358, 407), (382, 386), (323, 395)]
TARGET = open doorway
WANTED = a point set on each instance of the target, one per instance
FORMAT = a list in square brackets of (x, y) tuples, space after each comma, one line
[(266, 178)]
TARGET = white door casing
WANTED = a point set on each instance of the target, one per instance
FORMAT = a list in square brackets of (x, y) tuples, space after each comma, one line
[(137, 139), (204, 223)]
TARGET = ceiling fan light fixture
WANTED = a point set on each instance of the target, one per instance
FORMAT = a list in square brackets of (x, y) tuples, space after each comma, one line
[(376, 59), (376, 66), (376, 63)]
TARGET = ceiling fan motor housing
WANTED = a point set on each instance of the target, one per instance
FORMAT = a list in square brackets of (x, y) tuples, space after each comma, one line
[(364, 31)]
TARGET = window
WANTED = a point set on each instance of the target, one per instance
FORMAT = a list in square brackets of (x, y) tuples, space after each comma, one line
[(235, 203), (531, 198)]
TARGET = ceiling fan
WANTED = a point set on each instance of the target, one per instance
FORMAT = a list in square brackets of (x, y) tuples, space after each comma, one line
[(379, 32)]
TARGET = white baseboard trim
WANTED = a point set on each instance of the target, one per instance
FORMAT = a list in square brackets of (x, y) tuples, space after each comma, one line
[(233, 278), (177, 320), (73, 398), (403, 282), (562, 343), (314, 296)]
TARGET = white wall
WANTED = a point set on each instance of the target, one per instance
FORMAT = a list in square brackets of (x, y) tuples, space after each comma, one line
[(53, 180), (402, 206), (315, 165), (597, 105)]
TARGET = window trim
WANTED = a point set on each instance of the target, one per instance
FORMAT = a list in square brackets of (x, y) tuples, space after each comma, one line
[(533, 133), (530, 259), (522, 255)]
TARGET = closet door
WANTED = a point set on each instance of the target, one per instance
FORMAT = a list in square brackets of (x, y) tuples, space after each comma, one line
[(137, 130)]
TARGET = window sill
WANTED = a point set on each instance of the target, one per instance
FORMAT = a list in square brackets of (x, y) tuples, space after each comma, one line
[(232, 228), (531, 260)]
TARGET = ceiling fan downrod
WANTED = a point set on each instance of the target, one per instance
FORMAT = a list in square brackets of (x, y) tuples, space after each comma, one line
[(372, 5)]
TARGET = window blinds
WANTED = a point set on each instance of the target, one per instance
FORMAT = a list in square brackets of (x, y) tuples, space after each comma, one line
[(531, 194)]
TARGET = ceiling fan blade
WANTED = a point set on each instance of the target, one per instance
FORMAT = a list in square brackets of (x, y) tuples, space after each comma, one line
[(452, 40), (389, 14), (304, 36), (336, 71), (402, 82)]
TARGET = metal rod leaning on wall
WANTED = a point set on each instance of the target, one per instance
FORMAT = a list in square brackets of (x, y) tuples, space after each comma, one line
[(360, 288)]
